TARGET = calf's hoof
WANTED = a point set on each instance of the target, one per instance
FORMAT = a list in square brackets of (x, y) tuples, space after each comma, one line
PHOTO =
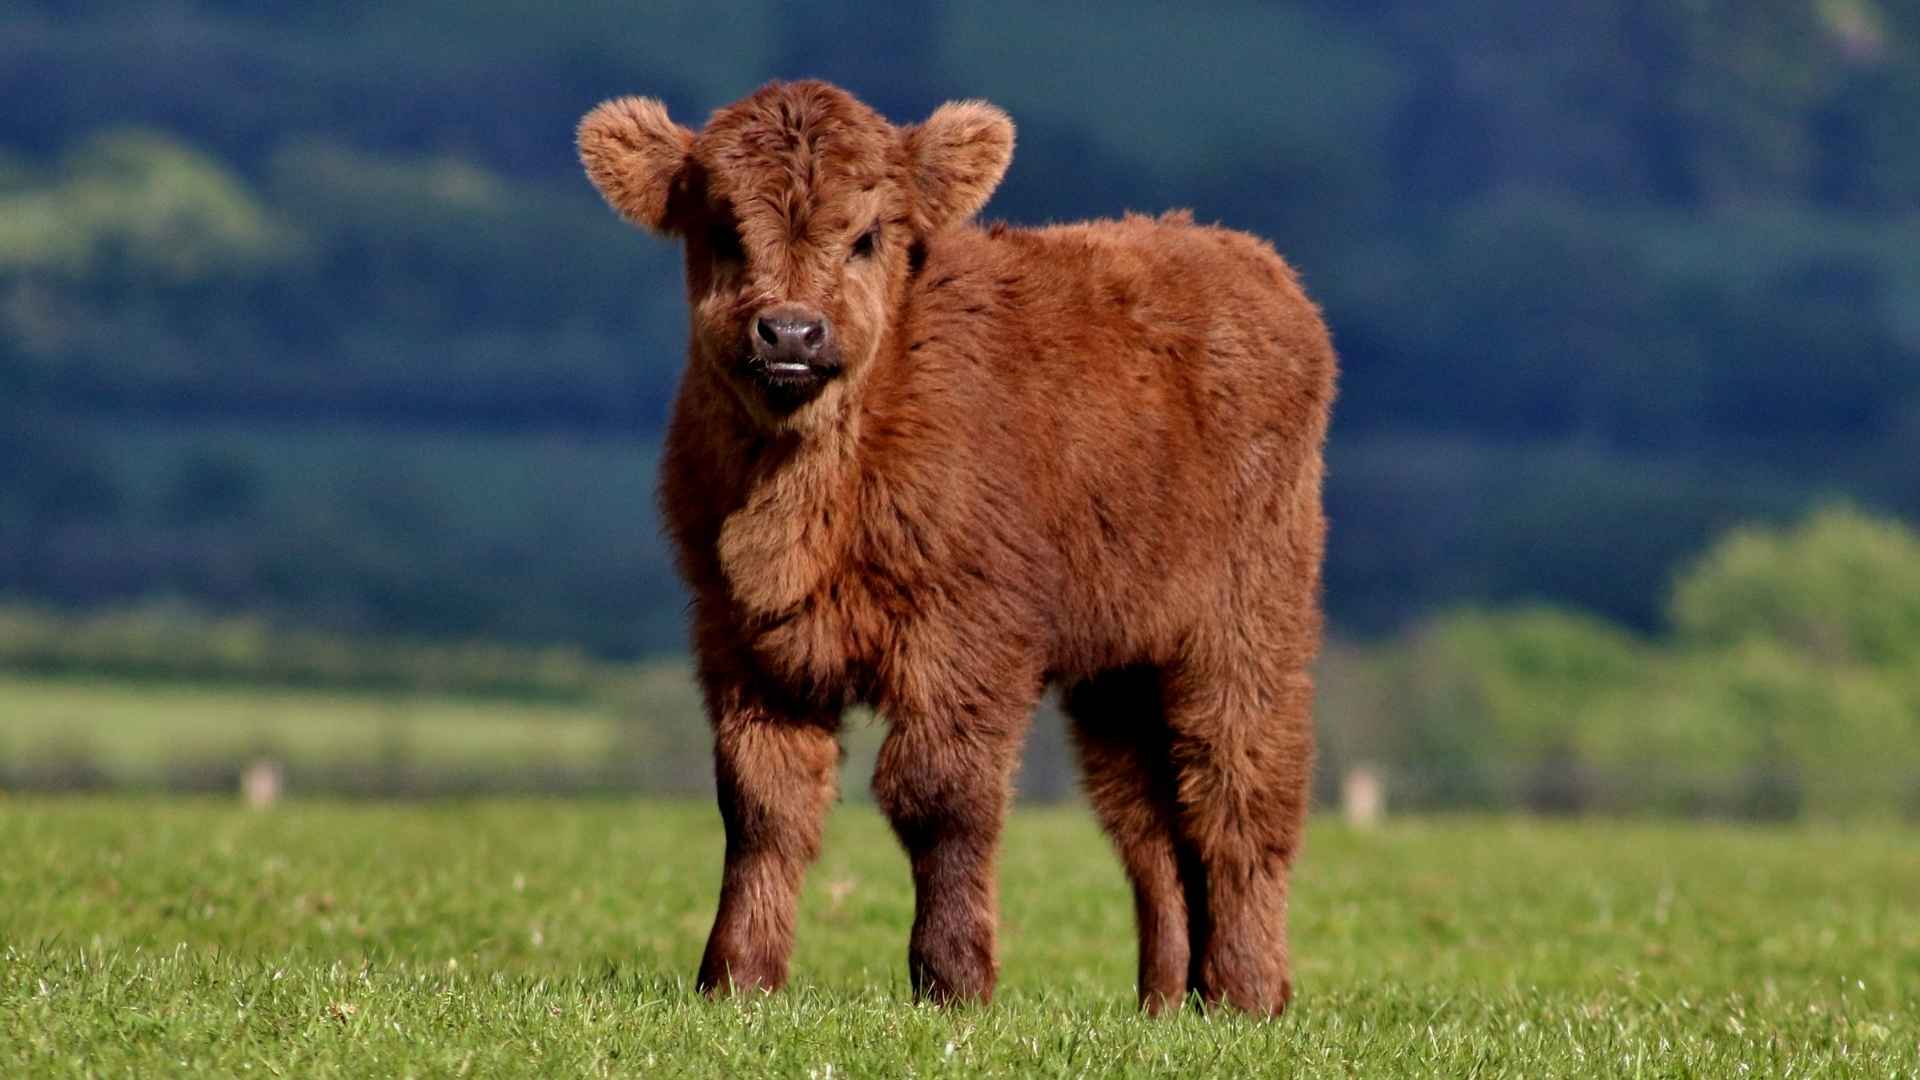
[(956, 977), (1249, 989), (725, 976)]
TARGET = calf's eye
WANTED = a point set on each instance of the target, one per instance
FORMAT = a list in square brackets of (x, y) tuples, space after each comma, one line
[(725, 244), (863, 247)]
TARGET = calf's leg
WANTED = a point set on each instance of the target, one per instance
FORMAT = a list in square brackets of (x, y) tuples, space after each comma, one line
[(1120, 730), (944, 782), (1243, 748), (775, 776)]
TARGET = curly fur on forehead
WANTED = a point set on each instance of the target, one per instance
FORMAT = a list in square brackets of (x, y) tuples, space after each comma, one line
[(794, 150)]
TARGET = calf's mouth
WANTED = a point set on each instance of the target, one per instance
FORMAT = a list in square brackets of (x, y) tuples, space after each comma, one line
[(789, 383)]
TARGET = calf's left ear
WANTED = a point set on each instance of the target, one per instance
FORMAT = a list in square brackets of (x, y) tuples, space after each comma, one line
[(958, 157), (636, 155)]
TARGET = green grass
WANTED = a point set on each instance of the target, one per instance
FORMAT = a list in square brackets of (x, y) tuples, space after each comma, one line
[(143, 937)]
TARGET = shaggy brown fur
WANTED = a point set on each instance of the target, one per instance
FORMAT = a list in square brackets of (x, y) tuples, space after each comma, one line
[(934, 467)]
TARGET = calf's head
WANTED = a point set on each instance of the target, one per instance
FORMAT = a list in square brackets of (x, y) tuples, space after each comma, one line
[(803, 214)]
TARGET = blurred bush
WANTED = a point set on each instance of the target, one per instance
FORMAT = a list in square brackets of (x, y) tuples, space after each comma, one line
[(1788, 685), (1841, 588)]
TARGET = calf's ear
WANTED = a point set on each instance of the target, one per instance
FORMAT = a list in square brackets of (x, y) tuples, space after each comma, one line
[(958, 157), (636, 156)]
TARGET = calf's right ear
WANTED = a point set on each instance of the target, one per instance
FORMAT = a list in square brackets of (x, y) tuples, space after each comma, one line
[(636, 156)]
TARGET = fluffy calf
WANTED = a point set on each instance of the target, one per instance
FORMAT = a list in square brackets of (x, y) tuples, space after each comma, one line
[(934, 467)]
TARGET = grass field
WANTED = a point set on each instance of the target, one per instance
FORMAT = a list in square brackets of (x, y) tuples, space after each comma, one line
[(147, 937)]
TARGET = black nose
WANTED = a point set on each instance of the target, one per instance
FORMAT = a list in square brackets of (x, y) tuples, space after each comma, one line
[(789, 336)]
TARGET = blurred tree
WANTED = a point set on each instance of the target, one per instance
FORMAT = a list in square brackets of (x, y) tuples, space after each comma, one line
[(1840, 588), (1490, 706), (1791, 685), (212, 489), (135, 204), (52, 479)]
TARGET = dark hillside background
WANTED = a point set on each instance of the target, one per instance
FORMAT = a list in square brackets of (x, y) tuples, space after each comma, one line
[(306, 312)]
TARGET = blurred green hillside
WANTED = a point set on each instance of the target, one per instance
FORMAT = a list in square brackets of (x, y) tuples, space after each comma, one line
[(1785, 684), (305, 312)]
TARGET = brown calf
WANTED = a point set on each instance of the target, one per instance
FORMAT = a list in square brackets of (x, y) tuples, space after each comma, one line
[(934, 467)]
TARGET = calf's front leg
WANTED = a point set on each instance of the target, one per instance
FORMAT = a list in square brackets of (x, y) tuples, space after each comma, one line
[(775, 775), (944, 783)]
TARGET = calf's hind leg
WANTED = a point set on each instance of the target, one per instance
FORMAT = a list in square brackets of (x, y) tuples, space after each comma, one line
[(1243, 750), (1120, 730)]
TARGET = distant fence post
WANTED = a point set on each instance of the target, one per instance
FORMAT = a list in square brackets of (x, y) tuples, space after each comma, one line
[(261, 783), (1363, 796)]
